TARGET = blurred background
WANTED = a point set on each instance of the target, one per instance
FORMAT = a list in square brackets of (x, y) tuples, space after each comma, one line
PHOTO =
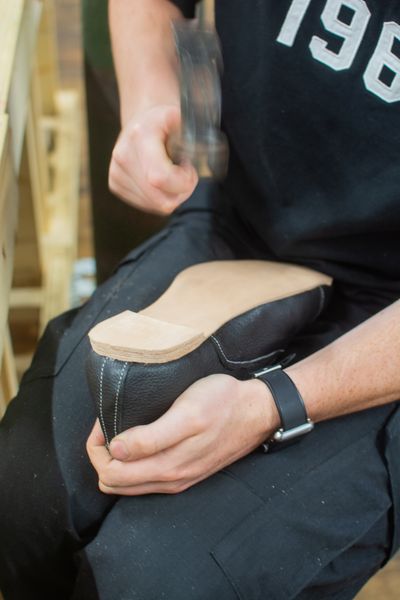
[(62, 231)]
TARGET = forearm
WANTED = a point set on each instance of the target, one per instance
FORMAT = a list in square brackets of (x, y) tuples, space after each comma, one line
[(357, 371), (144, 54)]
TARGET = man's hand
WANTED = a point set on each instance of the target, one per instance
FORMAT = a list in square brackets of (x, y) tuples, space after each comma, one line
[(141, 171), (213, 423)]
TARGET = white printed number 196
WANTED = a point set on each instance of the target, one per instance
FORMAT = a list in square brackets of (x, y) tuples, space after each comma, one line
[(351, 28)]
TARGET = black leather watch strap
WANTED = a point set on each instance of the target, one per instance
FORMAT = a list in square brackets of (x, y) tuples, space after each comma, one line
[(290, 405)]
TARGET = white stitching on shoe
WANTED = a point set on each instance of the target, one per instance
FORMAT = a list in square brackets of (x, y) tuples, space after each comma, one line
[(101, 401), (123, 370), (253, 360), (242, 362)]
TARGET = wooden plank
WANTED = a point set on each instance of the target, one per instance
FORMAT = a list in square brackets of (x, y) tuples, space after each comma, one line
[(47, 58), (67, 160), (8, 222), (27, 297), (27, 266), (54, 212), (4, 149), (61, 240), (34, 189), (21, 77), (49, 178), (10, 23), (38, 166)]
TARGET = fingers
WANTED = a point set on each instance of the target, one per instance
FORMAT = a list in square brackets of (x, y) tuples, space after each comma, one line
[(116, 474), (123, 186), (145, 454), (166, 472), (149, 180), (161, 456), (156, 487), (170, 429), (141, 171), (162, 174)]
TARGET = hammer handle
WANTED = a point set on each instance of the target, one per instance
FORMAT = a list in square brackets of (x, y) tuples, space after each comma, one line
[(209, 11)]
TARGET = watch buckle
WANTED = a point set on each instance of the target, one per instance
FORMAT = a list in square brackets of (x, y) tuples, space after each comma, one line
[(284, 436)]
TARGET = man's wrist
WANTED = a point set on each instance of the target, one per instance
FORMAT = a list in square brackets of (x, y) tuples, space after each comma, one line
[(300, 375), (145, 108)]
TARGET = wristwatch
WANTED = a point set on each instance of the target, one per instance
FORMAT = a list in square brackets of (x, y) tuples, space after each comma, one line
[(292, 411)]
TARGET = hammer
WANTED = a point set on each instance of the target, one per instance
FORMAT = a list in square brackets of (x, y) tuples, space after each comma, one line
[(200, 139)]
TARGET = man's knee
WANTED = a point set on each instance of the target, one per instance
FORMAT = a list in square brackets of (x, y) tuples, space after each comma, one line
[(139, 561)]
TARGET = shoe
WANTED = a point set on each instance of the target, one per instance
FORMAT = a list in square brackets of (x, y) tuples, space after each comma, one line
[(231, 317)]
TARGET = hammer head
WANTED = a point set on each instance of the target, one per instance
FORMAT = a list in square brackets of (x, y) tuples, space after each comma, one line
[(200, 140)]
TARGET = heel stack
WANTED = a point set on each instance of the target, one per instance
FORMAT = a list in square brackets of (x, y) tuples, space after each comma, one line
[(133, 337)]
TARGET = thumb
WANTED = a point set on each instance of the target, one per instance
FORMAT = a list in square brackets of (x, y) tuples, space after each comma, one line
[(147, 440), (172, 120), (96, 437)]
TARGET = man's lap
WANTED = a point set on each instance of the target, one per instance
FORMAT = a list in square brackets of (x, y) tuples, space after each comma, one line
[(269, 526), (264, 523)]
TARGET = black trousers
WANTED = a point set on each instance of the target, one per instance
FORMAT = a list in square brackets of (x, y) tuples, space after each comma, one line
[(315, 520)]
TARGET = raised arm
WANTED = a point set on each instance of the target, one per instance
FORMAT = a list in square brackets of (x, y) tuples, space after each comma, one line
[(143, 48)]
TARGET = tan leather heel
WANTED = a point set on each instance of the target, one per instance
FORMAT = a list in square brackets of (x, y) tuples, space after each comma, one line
[(198, 302)]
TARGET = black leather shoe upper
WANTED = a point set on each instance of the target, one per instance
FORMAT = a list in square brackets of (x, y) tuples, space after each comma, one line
[(129, 394)]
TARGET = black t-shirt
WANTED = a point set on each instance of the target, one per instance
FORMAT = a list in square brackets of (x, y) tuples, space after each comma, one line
[(311, 107)]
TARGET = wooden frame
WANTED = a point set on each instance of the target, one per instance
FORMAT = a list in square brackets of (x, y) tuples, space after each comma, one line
[(39, 174)]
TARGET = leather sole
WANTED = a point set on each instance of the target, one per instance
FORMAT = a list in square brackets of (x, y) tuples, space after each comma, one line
[(201, 299)]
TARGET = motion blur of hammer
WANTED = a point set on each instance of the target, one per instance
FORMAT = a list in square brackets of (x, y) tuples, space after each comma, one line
[(200, 140)]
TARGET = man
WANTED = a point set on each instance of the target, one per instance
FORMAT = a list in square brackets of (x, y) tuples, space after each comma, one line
[(190, 508)]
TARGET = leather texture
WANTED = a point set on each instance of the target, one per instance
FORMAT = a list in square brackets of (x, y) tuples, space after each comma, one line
[(130, 394)]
